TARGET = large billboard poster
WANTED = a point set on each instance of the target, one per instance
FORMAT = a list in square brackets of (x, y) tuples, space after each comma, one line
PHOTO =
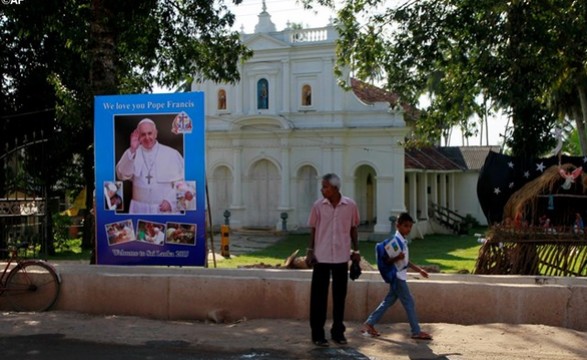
[(150, 179)]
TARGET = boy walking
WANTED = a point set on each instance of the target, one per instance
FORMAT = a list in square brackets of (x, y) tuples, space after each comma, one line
[(394, 271)]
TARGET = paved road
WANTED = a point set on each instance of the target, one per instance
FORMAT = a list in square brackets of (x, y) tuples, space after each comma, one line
[(57, 346), (73, 336), (68, 336)]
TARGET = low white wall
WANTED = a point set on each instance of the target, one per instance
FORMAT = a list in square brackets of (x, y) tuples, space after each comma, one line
[(192, 293)]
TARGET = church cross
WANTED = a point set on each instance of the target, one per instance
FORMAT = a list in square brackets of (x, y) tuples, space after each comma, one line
[(149, 177)]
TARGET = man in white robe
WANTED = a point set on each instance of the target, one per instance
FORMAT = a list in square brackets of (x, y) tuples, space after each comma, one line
[(153, 168), (159, 236)]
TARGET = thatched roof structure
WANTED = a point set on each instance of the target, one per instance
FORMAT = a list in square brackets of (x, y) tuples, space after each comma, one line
[(539, 234), (526, 201)]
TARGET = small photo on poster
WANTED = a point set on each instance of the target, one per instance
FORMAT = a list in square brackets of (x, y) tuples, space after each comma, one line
[(151, 232), (181, 234), (113, 198), (185, 192), (120, 232)]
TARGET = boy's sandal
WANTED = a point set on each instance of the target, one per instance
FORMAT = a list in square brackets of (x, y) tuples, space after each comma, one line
[(422, 336), (369, 330)]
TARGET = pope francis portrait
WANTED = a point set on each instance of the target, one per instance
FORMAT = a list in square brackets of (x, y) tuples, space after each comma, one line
[(153, 169)]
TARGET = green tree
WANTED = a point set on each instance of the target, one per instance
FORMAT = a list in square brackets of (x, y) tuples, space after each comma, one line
[(567, 94), (513, 54), (27, 121), (96, 47)]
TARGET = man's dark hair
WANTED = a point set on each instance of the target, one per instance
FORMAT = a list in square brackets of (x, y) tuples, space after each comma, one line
[(404, 217)]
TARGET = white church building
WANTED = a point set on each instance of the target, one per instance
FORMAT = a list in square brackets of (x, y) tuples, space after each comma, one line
[(271, 137)]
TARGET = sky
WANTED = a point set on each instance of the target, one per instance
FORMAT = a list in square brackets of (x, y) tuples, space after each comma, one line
[(281, 12), (497, 126)]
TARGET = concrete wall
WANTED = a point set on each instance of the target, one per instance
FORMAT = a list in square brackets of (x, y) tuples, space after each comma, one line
[(192, 293)]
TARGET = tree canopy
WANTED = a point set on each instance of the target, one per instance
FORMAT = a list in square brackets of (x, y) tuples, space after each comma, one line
[(526, 58), (58, 54)]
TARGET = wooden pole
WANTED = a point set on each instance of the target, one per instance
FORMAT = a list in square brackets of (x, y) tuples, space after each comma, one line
[(210, 231)]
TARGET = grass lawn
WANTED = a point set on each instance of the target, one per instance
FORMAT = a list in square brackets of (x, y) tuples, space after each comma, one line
[(71, 250), (451, 253)]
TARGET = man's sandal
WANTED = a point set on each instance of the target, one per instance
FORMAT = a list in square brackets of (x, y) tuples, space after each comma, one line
[(321, 343), (422, 336), (369, 330)]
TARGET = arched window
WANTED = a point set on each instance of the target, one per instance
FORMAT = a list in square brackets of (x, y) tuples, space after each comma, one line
[(262, 94), (306, 95), (221, 99)]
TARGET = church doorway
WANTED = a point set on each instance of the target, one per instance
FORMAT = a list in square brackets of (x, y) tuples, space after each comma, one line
[(263, 195), (221, 191), (366, 195), (306, 193)]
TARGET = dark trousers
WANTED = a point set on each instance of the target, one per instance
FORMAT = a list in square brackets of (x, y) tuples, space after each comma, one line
[(319, 299)]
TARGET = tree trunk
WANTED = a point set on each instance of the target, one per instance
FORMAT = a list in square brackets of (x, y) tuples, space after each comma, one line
[(48, 244), (575, 116), (581, 120), (102, 50), (89, 232), (102, 81)]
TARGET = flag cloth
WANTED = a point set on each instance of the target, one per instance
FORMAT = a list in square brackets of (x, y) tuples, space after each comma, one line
[(502, 175), (78, 204)]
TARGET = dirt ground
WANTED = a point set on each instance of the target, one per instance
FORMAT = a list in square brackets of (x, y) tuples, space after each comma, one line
[(291, 338)]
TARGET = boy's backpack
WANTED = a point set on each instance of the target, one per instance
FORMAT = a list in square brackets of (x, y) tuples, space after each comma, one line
[(387, 271)]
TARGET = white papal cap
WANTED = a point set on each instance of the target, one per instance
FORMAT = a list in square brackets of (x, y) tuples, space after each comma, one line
[(147, 121)]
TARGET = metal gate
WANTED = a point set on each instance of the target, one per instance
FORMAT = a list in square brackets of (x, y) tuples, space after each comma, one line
[(23, 196)]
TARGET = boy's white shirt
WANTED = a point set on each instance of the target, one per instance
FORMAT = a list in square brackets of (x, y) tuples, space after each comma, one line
[(402, 265)]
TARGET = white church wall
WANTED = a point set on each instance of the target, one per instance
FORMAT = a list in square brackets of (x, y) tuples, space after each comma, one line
[(466, 183)]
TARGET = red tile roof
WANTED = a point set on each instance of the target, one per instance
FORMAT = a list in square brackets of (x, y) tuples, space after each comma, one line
[(428, 158), (370, 94), (451, 158)]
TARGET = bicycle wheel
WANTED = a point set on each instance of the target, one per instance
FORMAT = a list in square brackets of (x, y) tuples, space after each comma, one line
[(32, 286)]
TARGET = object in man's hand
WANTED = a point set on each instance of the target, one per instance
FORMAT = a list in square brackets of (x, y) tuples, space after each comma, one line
[(355, 271)]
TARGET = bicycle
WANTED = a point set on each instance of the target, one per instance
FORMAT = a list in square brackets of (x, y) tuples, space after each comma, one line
[(28, 284)]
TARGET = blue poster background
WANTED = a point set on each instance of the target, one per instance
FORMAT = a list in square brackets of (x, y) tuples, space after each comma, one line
[(125, 238)]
